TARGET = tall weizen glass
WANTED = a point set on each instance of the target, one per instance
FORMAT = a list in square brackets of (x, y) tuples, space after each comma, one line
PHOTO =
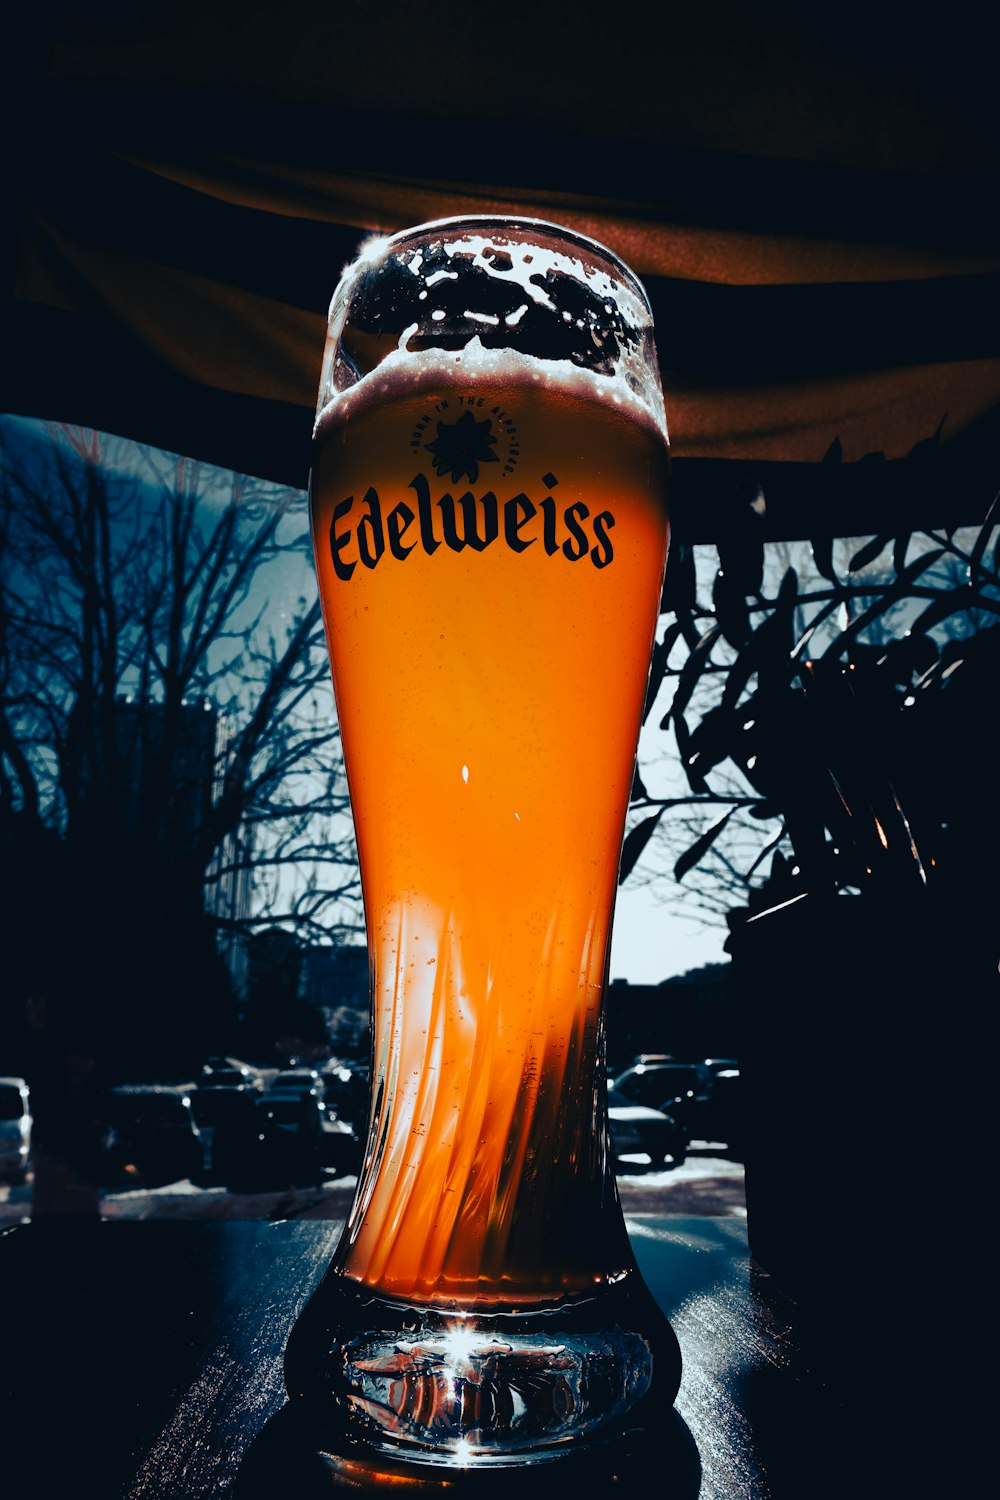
[(490, 529)]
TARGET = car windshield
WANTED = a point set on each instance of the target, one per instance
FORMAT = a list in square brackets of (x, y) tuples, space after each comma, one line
[(151, 1109), (11, 1103), (672, 1075)]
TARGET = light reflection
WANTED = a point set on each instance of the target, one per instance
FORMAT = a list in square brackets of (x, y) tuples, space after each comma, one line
[(458, 1343), (373, 250), (463, 1453)]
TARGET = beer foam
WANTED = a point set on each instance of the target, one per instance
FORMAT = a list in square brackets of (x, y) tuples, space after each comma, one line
[(521, 265), (589, 329), (405, 371)]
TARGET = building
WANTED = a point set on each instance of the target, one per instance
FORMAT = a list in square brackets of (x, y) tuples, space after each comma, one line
[(690, 1015), (171, 770), (335, 980)]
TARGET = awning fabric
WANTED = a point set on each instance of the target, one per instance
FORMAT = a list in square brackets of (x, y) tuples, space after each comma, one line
[(816, 226)]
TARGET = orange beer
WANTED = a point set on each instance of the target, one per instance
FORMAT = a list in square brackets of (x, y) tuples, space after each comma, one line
[(490, 535)]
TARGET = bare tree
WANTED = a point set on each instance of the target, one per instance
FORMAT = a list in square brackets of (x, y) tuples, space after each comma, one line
[(170, 769)]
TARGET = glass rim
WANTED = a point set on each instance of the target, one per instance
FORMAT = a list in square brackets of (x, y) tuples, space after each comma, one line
[(400, 237)]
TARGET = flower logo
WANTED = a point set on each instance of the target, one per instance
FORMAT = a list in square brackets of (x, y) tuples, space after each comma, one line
[(460, 447)]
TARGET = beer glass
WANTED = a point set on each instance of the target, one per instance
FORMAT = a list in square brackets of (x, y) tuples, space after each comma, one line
[(488, 502)]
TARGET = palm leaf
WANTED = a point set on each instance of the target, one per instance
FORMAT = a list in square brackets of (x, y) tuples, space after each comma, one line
[(635, 843), (701, 845)]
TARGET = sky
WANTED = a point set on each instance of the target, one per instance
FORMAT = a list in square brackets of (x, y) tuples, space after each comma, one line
[(659, 930), (652, 940)]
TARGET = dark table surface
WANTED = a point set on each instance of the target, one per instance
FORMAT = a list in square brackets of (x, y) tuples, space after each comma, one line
[(144, 1360)]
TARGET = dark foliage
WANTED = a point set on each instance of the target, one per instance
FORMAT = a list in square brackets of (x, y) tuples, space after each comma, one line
[(844, 724)]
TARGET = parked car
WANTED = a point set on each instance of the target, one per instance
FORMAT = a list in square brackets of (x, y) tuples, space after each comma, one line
[(679, 1088), (645, 1082), (224, 1064), (153, 1137), (347, 1090), (296, 1081), (15, 1129), (291, 1141), (342, 1145), (224, 1078), (235, 1140), (639, 1130), (724, 1110), (221, 1112), (719, 1064), (283, 1138)]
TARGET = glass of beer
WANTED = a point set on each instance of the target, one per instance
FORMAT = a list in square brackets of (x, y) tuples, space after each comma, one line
[(488, 501)]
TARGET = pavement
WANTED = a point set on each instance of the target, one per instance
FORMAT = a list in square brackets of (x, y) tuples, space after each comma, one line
[(706, 1183)]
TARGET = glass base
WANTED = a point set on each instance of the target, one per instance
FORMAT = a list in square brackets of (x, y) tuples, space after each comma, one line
[(444, 1388), (290, 1458)]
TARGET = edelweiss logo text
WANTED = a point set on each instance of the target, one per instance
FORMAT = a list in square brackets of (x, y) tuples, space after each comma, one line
[(471, 521)]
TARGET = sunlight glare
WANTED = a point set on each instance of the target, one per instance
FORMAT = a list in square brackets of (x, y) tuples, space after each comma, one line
[(459, 1343)]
